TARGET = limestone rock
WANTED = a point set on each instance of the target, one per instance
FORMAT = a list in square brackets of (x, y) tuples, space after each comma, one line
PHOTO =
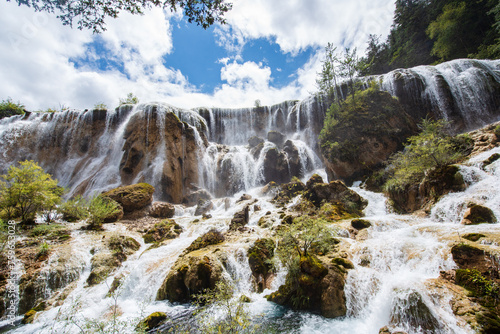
[(240, 219), (336, 192), (133, 197), (212, 237), (162, 210), (276, 138), (360, 224), (276, 167), (166, 229), (255, 141), (203, 207), (190, 275), (478, 214), (259, 256), (194, 197), (152, 321)]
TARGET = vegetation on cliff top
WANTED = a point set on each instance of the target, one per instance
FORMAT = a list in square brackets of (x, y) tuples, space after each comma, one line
[(10, 108)]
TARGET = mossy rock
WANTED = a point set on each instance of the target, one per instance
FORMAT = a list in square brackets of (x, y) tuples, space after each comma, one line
[(478, 214), (360, 224), (29, 317), (102, 265), (473, 236), (259, 257), (312, 266), (133, 197), (491, 159), (123, 244), (314, 179), (166, 229), (489, 322), (212, 237), (344, 263), (152, 321)]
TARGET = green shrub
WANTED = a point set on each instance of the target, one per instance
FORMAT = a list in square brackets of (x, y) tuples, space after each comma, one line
[(130, 99), (74, 210), (497, 131), (433, 148), (9, 108), (100, 208), (43, 250), (100, 106)]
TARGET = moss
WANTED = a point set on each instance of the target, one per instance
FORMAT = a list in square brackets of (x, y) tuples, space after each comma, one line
[(29, 317), (132, 197), (212, 237), (245, 299), (166, 229), (123, 244), (473, 236), (360, 224), (260, 255), (152, 321), (338, 261), (489, 322), (491, 159), (478, 214), (497, 131), (476, 283)]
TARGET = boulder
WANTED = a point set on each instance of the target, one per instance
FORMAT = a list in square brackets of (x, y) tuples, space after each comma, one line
[(194, 197), (336, 192), (152, 321), (240, 219), (276, 138), (360, 224), (259, 259), (190, 275), (316, 288), (244, 197), (162, 210), (133, 197), (166, 229), (314, 179), (478, 214), (410, 310), (255, 141), (294, 160), (212, 237), (203, 207), (276, 166)]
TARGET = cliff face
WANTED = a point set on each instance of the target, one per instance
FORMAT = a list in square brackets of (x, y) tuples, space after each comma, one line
[(225, 151)]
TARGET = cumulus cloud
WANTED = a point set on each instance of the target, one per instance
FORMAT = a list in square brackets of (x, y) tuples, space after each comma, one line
[(45, 64)]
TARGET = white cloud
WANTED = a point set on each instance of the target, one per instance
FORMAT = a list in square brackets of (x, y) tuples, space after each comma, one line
[(37, 59), (298, 24)]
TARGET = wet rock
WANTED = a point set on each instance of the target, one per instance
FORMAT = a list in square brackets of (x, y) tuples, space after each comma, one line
[(410, 310), (491, 159), (294, 160), (255, 141), (336, 192), (166, 229), (270, 188), (316, 288), (212, 237), (244, 197), (478, 214), (152, 321), (473, 236), (240, 219), (133, 197), (194, 197), (292, 189), (276, 167), (203, 207), (162, 210), (276, 138), (190, 275), (259, 259), (360, 224), (313, 180)]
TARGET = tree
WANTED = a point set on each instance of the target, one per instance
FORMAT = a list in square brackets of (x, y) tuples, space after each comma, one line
[(431, 149), (26, 190), (130, 99), (327, 78), (91, 14), (301, 236)]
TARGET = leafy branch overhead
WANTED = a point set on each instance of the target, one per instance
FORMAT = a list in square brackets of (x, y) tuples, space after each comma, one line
[(92, 14)]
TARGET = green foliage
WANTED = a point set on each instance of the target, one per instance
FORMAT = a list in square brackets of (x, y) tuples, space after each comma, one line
[(92, 15), (10, 108), (497, 131), (474, 281), (100, 106), (431, 149), (74, 210), (300, 237), (27, 190), (43, 250), (101, 208), (212, 237), (130, 99), (233, 315)]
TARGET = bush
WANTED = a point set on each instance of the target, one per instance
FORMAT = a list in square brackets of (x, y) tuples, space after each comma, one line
[(433, 148), (9, 108), (101, 208), (27, 190), (130, 99), (74, 210)]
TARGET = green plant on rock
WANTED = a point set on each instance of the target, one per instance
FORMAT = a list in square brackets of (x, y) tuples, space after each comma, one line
[(432, 149), (100, 106), (43, 250), (130, 99), (10, 108), (100, 208), (233, 315), (27, 190), (74, 210)]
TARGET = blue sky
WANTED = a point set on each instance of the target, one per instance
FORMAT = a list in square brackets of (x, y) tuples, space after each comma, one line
[(269, 50)]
